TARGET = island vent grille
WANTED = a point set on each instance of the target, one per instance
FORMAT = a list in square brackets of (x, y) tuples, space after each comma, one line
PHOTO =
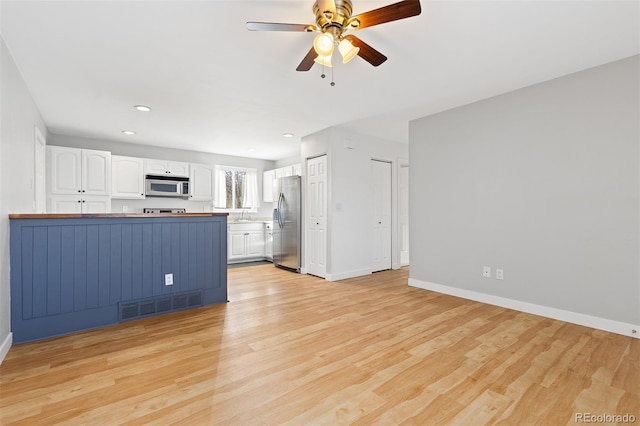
[(162, 304)]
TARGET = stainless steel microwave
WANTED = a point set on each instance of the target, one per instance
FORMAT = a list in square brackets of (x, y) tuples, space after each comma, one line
[(166, 186)]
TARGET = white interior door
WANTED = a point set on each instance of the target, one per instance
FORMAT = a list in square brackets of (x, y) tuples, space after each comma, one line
[(381, 179), (316, 235), (403, 213)]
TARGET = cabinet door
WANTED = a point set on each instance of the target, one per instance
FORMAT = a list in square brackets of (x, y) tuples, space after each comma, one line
[(96, 172), (127, 177), (64, 204), (178, 168), (237, 245), (96, 205), (255, 243), (267, 186), (155, 167), (268, 241), (65, 170), (79, 204), (201, 181)]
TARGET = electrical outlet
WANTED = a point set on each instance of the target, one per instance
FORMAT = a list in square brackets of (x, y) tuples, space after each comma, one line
[(168, 279), (125, 209), (499, 274), (486, 271)]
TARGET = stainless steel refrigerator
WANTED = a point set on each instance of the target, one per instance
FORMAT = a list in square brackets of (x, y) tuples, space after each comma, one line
[(286, 223)]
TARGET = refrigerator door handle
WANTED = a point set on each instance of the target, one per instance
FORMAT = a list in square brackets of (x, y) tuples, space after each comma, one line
[(281, 210)]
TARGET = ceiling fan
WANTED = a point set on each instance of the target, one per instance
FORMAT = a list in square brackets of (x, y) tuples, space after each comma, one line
[(333, 20)]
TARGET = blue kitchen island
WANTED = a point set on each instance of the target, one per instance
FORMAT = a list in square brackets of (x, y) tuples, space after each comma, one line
[(73, 272)]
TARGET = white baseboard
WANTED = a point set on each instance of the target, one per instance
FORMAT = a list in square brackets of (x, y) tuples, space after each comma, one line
[(348, 274), (6, 345), (626, 329)]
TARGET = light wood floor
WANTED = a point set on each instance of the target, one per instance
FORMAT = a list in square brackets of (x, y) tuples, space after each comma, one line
[(295, 349)]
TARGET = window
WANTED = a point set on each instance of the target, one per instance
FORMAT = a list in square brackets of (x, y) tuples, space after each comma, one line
[(236, 189)]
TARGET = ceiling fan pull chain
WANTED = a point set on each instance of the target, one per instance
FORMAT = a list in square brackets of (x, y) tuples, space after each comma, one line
[(333, 83)]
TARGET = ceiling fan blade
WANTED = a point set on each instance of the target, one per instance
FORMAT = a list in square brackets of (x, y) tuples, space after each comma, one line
[(273, 26), (327, 6), (392, 12), (308, 61), (367, 52)]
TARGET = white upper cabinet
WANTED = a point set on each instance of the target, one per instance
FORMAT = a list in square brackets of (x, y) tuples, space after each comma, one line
[(78, 171), (127, 177), (201, 181), (161, 167), (267, 186), (270, 175)]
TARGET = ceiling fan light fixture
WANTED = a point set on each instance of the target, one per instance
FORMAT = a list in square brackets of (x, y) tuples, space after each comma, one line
[(347, 50), (323, 44), (324, 60)]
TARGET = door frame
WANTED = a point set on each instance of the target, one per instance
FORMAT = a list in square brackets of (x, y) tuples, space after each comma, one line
[(39, 171), (403, 163)]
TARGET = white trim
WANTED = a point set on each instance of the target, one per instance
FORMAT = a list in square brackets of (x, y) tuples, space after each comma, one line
[(39, 206), (347, 275), (6, 345), (626, 329)]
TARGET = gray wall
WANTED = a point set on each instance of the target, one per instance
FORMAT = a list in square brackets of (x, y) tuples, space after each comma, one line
[(18, 118), (542, 182)]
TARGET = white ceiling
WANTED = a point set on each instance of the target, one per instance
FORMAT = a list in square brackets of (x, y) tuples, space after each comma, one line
[(216, 87)]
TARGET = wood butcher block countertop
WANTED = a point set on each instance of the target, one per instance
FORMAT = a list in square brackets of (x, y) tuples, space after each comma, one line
[(107, 215)]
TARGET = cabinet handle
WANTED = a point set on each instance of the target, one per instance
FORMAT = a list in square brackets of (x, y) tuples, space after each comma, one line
[(83, 190), (79, 190), (79, 201), (83, 201), (246, 233)]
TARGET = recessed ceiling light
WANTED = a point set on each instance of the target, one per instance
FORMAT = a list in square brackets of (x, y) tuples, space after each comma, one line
[(287, 135), (128, 132), (252, 149), (143, 108)]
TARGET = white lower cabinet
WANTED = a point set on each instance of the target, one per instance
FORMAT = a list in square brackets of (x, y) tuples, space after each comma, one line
[(79, 204), (245, 241), (268, 240)]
